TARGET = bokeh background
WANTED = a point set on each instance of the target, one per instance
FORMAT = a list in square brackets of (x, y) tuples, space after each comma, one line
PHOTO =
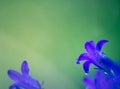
[(50, 35)]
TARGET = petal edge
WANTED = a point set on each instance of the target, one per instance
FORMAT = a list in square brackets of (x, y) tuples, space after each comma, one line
[(100, 44), (84, 56), (86, 66), (90, 46), (14, 75), (24, 67)]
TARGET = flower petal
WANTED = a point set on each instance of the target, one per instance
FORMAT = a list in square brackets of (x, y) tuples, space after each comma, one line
[(101, 79), (27, 82), (14, 86), (90, 47), (100, 44), (86, 66), (84, 56), (24, 67), (89, 83), (14, 75), (107, 62)]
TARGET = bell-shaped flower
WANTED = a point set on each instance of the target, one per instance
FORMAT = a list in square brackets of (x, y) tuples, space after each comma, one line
[(107, 75), (102, 80), (93, 54), (23, 80)]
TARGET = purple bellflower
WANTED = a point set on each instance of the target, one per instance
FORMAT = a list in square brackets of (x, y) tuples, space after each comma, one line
[(107, 75), (93, 54), (23, 80)]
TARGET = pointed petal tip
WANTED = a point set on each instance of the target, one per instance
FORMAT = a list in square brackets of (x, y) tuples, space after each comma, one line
[(77, 62), (24, 62), (14, 75), (90, 46), (9, 72), (88, 42), (86, 66), (24, 67), (100, 44), (103, 41), (83, 56)]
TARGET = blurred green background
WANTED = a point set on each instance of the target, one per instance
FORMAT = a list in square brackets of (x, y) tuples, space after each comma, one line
[(50, 35)]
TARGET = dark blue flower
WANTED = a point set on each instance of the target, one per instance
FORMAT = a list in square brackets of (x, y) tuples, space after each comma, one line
[(23, 80), (93, 54)]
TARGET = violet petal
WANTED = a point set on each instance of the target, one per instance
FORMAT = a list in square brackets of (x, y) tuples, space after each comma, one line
[(101, 79), (24, 67), (86, 66), (100, 44), (84, 56), (90, 47), (14, 75), (89, 82), (28, 82)]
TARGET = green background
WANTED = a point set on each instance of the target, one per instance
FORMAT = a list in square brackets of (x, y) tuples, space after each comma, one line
[(50, 35)]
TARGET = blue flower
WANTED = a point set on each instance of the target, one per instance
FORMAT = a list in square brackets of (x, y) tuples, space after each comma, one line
[(23, 80), (107, 75), (102, 81), (93, 54)]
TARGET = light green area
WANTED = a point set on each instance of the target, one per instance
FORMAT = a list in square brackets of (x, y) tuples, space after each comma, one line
[(50, 35)]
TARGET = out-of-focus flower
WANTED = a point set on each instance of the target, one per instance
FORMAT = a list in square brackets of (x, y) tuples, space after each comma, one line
[(107, 75), (102, 80), (23, 80)]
